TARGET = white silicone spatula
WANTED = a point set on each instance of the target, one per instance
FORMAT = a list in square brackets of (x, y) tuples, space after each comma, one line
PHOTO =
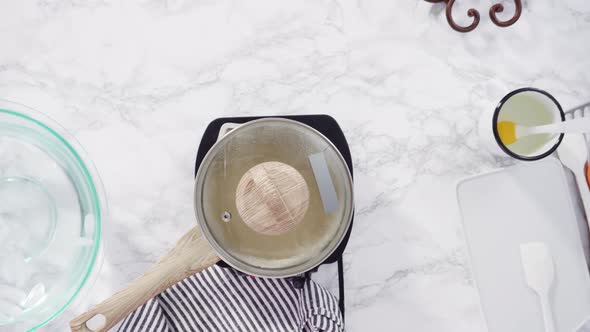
[(510, 132), (539, 274)]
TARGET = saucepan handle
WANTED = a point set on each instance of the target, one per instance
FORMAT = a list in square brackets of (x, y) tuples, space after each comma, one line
[(191, 254), (226, 128)]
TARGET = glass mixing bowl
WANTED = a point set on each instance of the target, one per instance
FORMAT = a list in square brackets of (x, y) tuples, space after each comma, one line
[(52, 206)]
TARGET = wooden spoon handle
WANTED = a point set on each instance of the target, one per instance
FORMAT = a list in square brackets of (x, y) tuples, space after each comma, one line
[(190, 255)]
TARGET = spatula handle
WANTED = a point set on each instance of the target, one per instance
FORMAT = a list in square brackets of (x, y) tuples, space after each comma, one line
[(581, 125), (190, 255), (547, 314)]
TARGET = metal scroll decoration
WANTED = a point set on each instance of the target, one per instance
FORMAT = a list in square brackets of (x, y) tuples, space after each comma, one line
[(495, 9)]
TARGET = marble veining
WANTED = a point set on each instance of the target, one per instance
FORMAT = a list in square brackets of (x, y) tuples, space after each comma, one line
[(137, 82)]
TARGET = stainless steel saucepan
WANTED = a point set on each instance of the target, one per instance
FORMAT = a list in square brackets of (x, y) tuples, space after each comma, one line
[(273, 198)]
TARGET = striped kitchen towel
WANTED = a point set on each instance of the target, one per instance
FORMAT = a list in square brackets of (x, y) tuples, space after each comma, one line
[(223, 300)]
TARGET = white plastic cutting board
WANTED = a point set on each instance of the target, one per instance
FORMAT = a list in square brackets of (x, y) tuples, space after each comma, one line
[(501, 210)]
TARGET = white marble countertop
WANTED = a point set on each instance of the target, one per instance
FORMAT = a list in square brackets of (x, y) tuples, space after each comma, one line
[(138, 81)]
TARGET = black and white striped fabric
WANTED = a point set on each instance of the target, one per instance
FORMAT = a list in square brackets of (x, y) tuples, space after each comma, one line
[(222, 300)]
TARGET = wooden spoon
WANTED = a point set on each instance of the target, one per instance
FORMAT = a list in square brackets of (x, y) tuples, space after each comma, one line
[(191, 254)]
